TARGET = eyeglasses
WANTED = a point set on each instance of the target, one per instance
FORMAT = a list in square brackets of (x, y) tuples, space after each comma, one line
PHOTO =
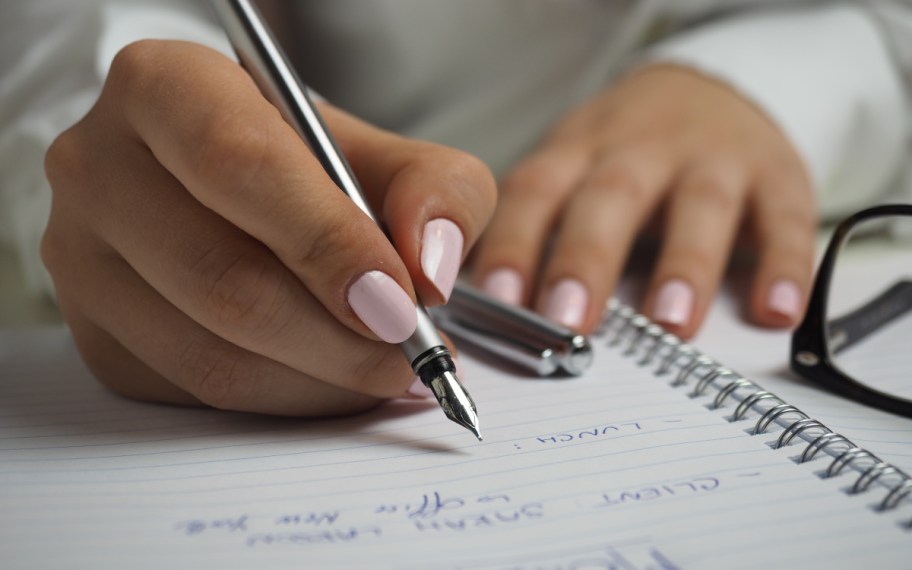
[(856, 337)]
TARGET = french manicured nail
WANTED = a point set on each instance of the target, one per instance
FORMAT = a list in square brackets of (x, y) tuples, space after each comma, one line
[(383, 306), (567, 303), (441, 254), (674, 303), (504, 284), (784, 298)]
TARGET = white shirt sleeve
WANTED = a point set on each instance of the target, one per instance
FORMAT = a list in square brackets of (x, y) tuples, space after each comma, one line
[(824, 73), (54, 56)]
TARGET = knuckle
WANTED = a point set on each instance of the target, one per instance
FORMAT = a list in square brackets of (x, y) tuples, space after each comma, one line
[(136, 70), (783, 166), (73, 174), (789, 228), (463, 174), (64, 250), (381, 372), (243, 293), (605, 254), (327, 241), (695, 260), (714, 193), (803, 221), (471, 169), (536, 177), (219, 376), (64, 157), (621, 181), (234, 149), (791, 246), (51, 250)]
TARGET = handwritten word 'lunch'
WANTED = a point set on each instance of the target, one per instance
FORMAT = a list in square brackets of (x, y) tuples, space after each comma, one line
[(593, 432)]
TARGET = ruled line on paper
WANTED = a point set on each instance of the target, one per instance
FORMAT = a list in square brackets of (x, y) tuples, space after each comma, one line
[(322, 437), (673, 478), (527, 411), (223, 461)]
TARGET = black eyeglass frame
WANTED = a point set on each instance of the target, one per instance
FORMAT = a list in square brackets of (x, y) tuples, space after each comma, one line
[(810, 354)]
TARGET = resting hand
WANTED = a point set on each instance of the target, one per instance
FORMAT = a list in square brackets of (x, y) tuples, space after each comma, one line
[(201, 254), (663, 140)]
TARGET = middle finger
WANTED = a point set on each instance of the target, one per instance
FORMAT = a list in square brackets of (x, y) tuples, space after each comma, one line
[(595, 233)]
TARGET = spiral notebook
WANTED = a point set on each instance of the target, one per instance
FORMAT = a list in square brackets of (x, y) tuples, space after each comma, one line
[(658, 458)]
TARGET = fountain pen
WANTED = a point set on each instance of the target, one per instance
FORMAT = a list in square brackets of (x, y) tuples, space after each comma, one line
[(264, 60)]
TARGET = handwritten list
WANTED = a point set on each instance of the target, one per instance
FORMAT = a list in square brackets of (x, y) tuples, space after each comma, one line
[(611, 470)]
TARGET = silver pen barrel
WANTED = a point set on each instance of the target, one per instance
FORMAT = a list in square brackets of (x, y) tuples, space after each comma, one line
[(266, 63), (516, 334)]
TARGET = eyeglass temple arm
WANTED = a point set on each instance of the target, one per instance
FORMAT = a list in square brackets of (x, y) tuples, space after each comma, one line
[(850, 328)]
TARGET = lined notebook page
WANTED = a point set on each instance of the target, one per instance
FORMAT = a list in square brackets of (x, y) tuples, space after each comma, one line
[(613, 470)]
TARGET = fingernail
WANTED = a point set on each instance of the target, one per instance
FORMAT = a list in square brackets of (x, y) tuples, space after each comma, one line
[(441, 254), (784, 298), (383, 306), (504, 284), (567, 303), (674, 303)]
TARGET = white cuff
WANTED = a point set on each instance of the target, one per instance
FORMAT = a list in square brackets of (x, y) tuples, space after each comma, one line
[(125, 23), (54, 83), (824, 75)]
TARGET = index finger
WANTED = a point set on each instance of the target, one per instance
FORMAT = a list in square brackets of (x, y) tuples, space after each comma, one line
[(207, 123), (435, 201)]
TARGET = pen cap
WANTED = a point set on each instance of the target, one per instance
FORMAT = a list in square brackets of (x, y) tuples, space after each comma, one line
[(515, 333)]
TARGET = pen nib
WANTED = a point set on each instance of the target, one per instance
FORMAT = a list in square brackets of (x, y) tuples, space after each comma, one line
[(455, 401)]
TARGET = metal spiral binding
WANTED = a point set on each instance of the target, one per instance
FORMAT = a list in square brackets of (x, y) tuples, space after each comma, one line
[(897, 494), (623, 317), (796, 428), (822, 442), (749, 402), (652, 339), (664, 343), (687, 360), (774, 413), (666, 352), (727, 391), (847, 457), (870, 475), (638, 323)]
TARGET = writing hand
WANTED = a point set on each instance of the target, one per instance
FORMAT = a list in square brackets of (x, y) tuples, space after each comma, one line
[(201, 254), (665, 140)]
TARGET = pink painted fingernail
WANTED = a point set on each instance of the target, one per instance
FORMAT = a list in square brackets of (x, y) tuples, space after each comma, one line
[(504, 284), (567, 303), (674, 304), (383, 306), (784, 298), (441, 254)]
